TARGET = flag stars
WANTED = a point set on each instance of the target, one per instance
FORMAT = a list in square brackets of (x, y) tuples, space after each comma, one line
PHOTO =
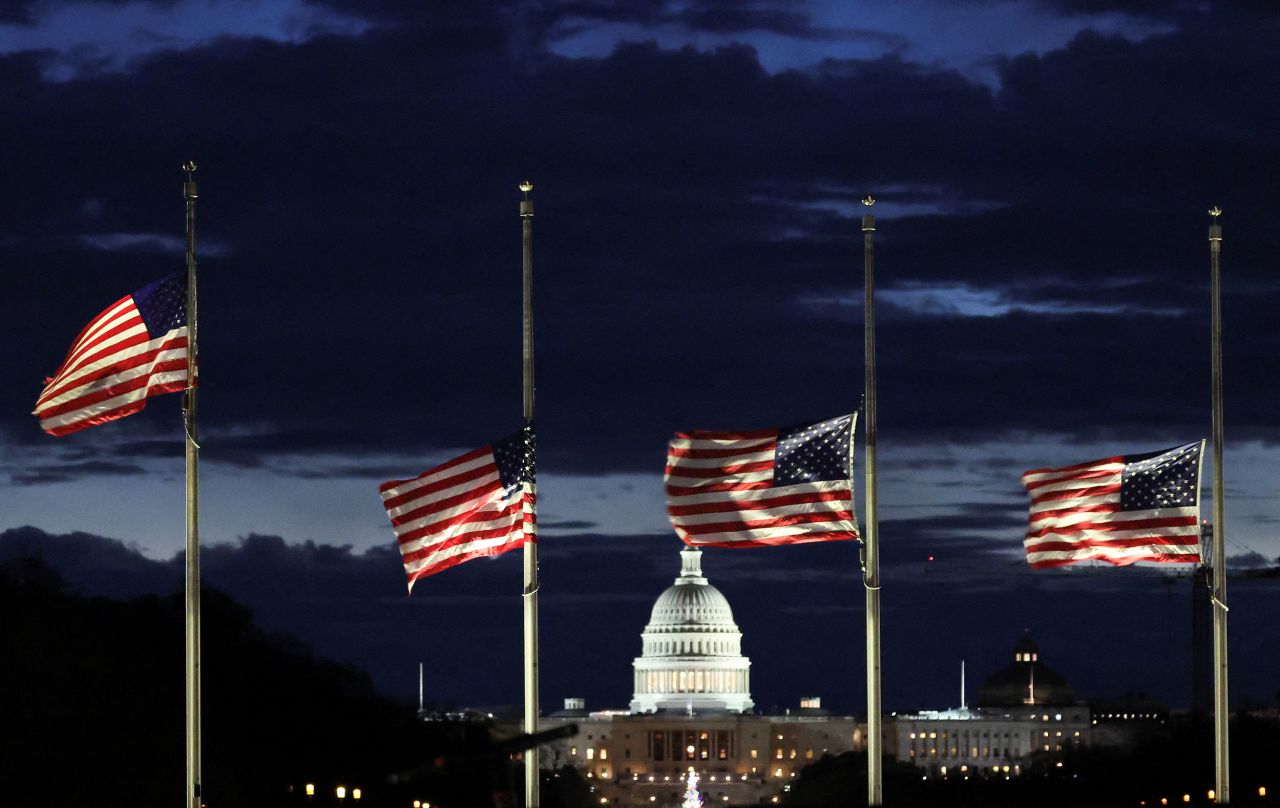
[(514, 457), (813, 453), (1167, 480), (163, 304)]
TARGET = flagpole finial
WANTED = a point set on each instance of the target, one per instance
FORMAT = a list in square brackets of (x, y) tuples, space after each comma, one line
[(1215, 211), (526, 205), (868, 200), (189, 189)]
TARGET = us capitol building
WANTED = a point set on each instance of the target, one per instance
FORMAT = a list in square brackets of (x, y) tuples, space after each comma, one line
[(691, 709)]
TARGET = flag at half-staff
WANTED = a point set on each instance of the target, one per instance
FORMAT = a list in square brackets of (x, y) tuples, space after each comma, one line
[(1120, 510), (478, 504), (135, 349), (764, 487)]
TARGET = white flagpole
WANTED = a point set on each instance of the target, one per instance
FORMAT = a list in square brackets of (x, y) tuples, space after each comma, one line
[(1221, 710), (192, 580), (871, 573), (531, 768)]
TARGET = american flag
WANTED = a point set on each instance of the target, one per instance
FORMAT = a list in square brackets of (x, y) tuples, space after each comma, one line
[(765, 487), (481, 503), (135, 349), (1120, 510)]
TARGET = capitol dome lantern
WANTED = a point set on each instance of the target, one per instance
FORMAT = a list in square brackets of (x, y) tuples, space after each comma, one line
[(692, 650)]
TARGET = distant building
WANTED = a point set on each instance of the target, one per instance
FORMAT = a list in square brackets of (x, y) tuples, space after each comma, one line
[(691, 710), (1025, 710)]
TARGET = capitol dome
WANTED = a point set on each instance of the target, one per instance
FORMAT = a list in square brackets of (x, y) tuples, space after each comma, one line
[(692, 650)]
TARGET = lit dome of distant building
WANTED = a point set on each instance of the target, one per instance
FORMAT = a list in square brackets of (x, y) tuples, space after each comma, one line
[(1026, 680), (692, 649)]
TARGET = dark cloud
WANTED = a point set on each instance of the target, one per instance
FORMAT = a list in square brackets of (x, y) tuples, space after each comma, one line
[(17, 12), (1249, 560), (566, 524), (1110, 630), (93, 564), (1180, 10), (688, 204), (1152, 8), (68, 472)]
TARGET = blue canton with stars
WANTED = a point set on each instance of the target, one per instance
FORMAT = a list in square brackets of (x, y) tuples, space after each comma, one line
[(1168, 479), (514, 458), (163, 304), (813, 452)]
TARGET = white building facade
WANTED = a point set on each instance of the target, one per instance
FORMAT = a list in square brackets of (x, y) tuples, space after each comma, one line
[(691, 654), (691, 711), (1026, 712)]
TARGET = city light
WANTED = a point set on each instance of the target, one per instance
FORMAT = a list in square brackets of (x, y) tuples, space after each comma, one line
[(355, 794), (310, 789), (341, 791)]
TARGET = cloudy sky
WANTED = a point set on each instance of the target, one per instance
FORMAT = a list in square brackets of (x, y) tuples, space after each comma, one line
[(1043, 171)]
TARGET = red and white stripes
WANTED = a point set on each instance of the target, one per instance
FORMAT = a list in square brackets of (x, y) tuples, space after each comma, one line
[(1076, 516), (721, 493), (113, 366), (457, 511)]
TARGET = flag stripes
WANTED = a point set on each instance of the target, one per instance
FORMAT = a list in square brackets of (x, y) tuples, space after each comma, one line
[(481, 503), (762, 487), (1120, 510), (135, 349)]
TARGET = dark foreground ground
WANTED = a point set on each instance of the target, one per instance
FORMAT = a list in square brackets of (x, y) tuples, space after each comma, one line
[(92, 714)]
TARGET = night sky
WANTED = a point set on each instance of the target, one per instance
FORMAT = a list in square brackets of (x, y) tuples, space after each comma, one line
[(1043, 171)]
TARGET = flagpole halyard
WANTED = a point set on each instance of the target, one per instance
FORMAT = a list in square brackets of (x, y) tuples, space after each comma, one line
[(192, 579), (1221, 708), (531, 767), (871, 565)]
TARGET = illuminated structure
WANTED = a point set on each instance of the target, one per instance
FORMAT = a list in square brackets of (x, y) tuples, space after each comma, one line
[(692, 655), (691, 711), (1025, 712)]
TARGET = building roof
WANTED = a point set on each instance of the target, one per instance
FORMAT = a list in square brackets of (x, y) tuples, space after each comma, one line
[(691, 602), (1026, 680)]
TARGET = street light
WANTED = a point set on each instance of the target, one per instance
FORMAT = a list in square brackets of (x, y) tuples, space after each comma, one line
[(341, 791), (355, 794), (310, 789)]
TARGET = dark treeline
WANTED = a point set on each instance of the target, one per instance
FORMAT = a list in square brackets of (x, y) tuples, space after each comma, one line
[(92, 714)]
